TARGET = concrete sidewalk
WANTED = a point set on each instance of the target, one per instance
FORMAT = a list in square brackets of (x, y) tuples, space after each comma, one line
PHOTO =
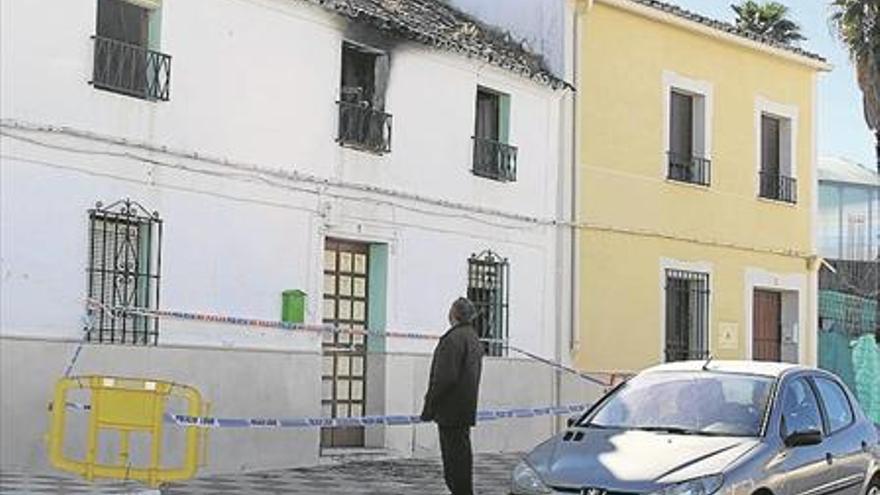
[(386, 477)]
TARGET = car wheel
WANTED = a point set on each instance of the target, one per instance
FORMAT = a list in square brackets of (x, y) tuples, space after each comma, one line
[(874, 488)]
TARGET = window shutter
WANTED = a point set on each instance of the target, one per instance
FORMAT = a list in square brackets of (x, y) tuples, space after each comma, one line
[(681, 125), (487, 125), (770, 157)]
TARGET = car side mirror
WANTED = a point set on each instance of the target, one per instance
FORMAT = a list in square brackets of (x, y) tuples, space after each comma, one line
[(803, 438), (572, 420)]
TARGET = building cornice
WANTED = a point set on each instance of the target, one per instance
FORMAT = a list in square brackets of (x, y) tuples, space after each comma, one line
[(678, 19)]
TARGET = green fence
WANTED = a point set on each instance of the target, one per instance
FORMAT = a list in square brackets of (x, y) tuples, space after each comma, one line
[(848, 347)]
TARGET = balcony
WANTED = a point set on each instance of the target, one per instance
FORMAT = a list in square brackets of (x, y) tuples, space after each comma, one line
[(778, 187), (131, 70), (494, 160), (364, 128), (690, 169)]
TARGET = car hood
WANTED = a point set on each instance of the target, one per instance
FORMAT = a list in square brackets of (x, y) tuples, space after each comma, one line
[(632, 460)]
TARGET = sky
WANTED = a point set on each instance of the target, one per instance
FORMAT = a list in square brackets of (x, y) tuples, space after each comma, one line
[(842, 129)]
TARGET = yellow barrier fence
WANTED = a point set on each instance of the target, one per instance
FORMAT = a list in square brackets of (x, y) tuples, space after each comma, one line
[(126, 406)]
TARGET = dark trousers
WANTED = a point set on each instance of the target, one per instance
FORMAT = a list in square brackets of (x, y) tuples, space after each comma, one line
[(458, 460)]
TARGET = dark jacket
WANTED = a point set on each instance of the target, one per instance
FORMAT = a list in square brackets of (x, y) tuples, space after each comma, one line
[(451, 400)]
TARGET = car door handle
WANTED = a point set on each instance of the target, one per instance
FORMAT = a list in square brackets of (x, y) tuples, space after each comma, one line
[(865, 446), (829, 458)]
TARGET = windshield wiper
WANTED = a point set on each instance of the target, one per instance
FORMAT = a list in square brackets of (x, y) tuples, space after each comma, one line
[(675, 430), (601, 427)]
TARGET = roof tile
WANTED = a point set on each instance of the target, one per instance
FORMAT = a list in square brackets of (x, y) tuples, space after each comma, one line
[(434, 23), (726, 27)]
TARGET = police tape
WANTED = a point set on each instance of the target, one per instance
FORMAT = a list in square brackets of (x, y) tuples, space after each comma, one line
[(614, 379), (319, 422)]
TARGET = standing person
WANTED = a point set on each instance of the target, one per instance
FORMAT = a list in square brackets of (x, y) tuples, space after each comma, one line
[(451, 400)]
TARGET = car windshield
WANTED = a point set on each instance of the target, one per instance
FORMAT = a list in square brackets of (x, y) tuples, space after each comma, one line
[(700, 403)]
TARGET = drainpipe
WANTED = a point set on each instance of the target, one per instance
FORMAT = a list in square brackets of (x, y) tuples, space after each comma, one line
[(574, 338), (568, 121)]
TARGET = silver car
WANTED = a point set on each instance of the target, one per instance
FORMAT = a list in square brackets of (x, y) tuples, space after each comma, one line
[(726, 428)]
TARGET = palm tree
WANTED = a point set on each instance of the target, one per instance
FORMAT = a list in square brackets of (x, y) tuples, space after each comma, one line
[(768, 19), (857, 24)]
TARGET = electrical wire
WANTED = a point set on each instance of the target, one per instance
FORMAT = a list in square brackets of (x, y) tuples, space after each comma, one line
[(279, 172), (258, 176), (267, 175)]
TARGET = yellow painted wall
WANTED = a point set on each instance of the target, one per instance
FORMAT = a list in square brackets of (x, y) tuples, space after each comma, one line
[(623, 186)]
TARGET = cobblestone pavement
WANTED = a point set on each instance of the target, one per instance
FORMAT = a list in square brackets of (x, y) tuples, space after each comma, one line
[(392, 477), (387, 477), (20, 483)]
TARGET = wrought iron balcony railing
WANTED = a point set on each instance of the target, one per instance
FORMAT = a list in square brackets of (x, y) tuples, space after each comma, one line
[(494, 160), (688, 168), (778, 187), (364, 128), (131, 70)]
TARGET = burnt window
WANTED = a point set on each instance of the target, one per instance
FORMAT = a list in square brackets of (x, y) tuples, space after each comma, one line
[(363, 123), (124, 61), (489, 291), (494, 158), (687, 315), (123, 273)]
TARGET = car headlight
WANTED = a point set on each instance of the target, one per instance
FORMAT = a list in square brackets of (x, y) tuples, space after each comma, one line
[(700, 486), (525, 481)]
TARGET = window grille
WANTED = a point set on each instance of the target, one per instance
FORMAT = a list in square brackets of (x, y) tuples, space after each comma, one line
[(489, 290), (123, 272), (687, 315)]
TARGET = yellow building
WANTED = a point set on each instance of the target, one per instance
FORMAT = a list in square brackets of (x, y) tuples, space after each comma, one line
[(696, 187)]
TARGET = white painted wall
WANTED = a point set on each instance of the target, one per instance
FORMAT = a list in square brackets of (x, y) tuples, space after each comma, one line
[(254, 82)]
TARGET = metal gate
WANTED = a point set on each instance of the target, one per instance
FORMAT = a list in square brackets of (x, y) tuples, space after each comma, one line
[(343, 380)]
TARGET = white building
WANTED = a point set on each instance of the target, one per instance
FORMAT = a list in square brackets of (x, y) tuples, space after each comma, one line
[(849, 211), (368, 154)]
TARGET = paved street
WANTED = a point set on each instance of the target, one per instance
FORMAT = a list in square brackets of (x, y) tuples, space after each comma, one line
[(390, 477), (405, 476)]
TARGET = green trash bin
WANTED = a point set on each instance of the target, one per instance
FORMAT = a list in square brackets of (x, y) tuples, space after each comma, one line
[(293, 306)]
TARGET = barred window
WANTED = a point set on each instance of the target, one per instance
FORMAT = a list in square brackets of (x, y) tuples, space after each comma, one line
[(488, 290), (123, 272), (687, 315)]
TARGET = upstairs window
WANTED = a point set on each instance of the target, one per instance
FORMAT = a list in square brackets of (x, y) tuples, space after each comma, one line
[(125, 61), (687, 160), (687, 315), (363, 123), (488, 289), (494, 158), (857, 237), (123, 273), (776, 181)]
